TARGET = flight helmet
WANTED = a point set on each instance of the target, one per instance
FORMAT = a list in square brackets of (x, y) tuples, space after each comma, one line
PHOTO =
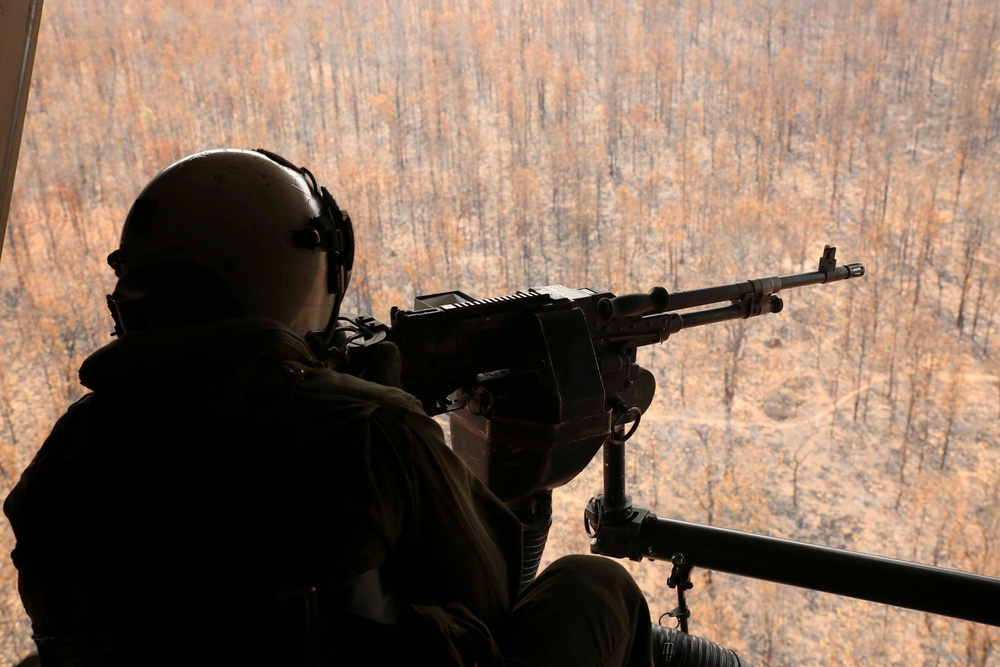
[(228, 232)]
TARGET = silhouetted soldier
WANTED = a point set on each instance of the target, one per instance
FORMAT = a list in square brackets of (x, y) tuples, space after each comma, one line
[(223, 496)]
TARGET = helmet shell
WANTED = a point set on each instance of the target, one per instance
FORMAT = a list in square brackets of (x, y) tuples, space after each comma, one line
[(235, 212)]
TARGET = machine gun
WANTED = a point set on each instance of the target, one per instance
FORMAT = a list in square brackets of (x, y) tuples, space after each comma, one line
[(536, 382)]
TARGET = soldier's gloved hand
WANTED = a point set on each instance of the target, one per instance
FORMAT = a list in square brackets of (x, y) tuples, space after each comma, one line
[(382, 365)]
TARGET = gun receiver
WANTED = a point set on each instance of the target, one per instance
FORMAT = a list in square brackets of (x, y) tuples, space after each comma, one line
[(548, 374)]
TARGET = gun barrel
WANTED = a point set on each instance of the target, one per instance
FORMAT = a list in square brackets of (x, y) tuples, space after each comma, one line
[(652, 318), (759, 287), (843, 272)]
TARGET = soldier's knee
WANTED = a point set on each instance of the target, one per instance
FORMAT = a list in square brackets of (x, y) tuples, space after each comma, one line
[(596, 572), (598, 566)]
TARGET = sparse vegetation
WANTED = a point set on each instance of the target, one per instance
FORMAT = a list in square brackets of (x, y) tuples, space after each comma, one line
[(488, 146)]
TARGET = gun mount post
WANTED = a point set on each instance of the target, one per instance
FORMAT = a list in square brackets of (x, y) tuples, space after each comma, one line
[(616, 501)]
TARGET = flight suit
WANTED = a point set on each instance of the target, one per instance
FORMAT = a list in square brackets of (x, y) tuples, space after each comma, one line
[(213, 496)]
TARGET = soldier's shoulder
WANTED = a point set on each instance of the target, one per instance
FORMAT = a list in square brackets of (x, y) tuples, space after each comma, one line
[(80, 409), (333, 400), (333, 387)]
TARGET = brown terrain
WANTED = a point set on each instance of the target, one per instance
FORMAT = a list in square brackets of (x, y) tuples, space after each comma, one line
[(491, 146)]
